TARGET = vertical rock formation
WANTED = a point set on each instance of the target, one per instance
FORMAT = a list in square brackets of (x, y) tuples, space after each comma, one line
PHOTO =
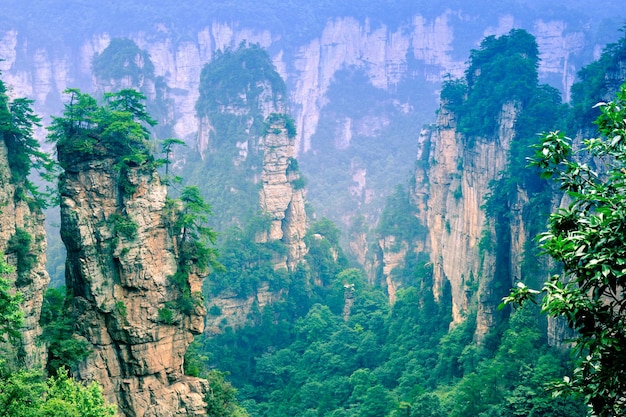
[(474, 207), (120, 257), (247, 141), (246, 167), (23, 241), (452, 192), (282, 192)]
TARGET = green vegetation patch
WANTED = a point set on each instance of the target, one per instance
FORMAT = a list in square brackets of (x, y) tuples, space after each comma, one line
[(123, 59)]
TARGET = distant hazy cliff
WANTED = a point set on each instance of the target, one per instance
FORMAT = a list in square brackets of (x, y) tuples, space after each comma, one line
[(424, 47)]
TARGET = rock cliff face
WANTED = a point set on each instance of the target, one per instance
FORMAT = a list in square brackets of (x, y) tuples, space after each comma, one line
[(282, 193), (22, 224), (451, 192), (424, 46), (235, 311), (121, 288), (419, 50)]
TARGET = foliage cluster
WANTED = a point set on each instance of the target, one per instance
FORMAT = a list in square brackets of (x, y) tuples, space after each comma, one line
[(399, 218), (382, 360), (282, 119), (503, 70), (117, 129), (25, 393), (21, 243), (247, 264), (123, 226), (236, 78), (17, 124), (587, 238), (11, 316), (123, 59), (221, 398), (65, 350), (195, 241), (598, 81)]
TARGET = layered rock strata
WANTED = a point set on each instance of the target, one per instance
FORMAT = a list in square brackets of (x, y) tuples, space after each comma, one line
[(120, 257)]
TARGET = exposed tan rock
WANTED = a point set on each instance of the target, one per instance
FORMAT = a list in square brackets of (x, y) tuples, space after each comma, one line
[(279, 197), (451, 182), (235, 311), (392, 257), (31, 282), (458, 184), (120, 284)]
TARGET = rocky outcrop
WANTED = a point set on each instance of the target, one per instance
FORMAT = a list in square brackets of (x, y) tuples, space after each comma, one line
[(392, 257), (120, 257), (23, 242), (452, 180), (282, 193), (231, 310)]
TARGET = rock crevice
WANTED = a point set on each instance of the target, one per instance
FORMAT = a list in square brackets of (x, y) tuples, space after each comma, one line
[(121, 255)]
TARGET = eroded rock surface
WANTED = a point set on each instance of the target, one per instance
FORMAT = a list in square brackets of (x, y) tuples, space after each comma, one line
[(30, 278), (122, 290)]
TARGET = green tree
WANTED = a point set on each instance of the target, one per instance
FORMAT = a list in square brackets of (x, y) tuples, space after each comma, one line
[(123, 59), (25, 393), (11, 316), (17, 124), (503, 69), (588, 238), (87, 130), (195, 237), (221, 398), (64, 349), (166, 148), (195, 243)]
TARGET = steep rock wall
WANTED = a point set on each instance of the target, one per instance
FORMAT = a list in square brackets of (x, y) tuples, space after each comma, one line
[(29, 277), (449, 193), (120, 286), (235, 311), (425, 47), (281, 196)]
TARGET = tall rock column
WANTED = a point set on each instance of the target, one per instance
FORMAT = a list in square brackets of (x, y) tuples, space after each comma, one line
[(282, 191), (120, 257), (452, 193), (23, 241)]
